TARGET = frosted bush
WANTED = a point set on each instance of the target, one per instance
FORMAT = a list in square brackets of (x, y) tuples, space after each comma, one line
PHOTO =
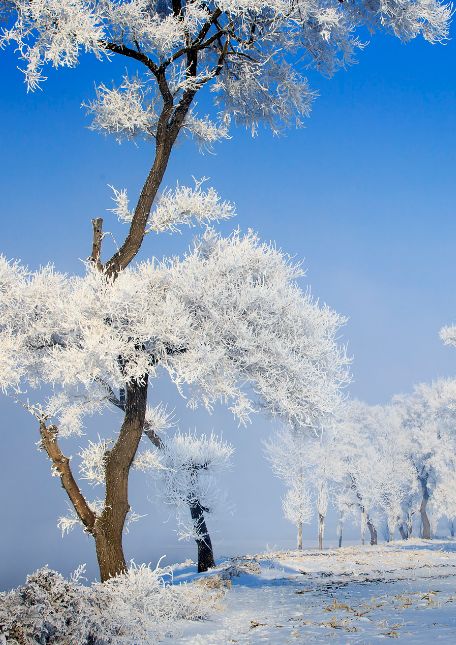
[(138, 608)]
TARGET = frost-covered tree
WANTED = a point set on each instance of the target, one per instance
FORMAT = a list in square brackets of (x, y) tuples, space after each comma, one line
[(286, 451), (377, 475), (360, 486), (80, 336), (190, 464), (324, 472), (429, 416), (308, 466), (227, 322), (250, 56)]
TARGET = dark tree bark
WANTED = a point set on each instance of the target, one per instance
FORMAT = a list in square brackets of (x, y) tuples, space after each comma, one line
[(372, 531), (109, 526), (403, 531), (122, 258), (203, 541), (451, 523), (340, 538), (425, 523), (409, 525)]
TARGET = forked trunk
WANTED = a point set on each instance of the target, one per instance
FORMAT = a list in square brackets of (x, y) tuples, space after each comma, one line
[(108, 529), (299, 539), (372, 531), (321, 530), (425, 523), (203, 541)]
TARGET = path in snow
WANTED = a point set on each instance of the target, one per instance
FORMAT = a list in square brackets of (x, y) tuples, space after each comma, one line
[(354, 595)]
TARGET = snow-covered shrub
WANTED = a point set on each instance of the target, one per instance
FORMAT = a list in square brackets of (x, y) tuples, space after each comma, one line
[(47, 609), (137, 608)]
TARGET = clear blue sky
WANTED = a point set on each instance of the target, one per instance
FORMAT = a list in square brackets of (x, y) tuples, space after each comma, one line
[(366, 194)]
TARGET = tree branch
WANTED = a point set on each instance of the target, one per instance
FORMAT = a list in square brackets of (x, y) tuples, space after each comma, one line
[(62, 465), (97, 225), (123, 50)]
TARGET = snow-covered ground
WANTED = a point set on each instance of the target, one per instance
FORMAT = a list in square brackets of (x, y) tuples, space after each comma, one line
[(401, 590)]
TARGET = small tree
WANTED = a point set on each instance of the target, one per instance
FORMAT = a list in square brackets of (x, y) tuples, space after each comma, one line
[(297, 509), (360, 485), (286, 451), (188, 477)]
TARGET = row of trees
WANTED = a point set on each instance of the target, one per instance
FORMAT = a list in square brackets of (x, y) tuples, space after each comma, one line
[(389, 468), (227, 322)]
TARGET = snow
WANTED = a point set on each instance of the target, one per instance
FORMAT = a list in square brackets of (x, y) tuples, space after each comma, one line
[(356, 594)]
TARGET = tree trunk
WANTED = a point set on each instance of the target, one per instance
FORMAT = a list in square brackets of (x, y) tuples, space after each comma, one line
[(425, 523), (340, 538), (403, 532), (451, 526), (409, 525), (372, 531), (363, 525), (321, 529), (109, 526), (203, 541), (167, 133), (299, 540)]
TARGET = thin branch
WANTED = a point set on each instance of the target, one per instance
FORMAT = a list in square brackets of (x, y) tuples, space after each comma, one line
[(97, 225), (123, 50), (62, 465)]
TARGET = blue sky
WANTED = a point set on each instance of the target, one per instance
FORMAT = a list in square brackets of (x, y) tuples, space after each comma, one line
[(365, 194)]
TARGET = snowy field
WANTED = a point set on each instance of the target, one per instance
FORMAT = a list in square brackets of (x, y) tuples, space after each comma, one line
[(403, 591)]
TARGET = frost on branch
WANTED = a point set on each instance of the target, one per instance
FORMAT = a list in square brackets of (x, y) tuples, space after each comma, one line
[(254, 94), (227, 322), (121, 209), (188, 206), (54, 32), (254, 54), (448, 335), (206, 131), (183, 206), (126, 112), (159, 419), (93, 461), (67, 523), (140, 606)]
